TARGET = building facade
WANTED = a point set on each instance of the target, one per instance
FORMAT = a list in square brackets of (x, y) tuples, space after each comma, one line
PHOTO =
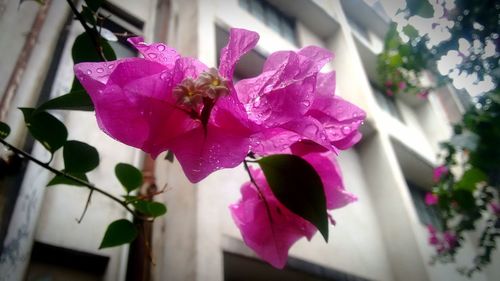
[(381, 237)]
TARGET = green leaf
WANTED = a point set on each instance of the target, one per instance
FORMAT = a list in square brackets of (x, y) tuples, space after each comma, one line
[(395, 60), (170, 156), (94, 4), (118, 233), (88, 15), (129, 176), (64, 180), (470, 179), (79, 157), (45, 128), (84, 50), (422, 8), (130, 198), (410, 31), (72, 101), (4, 130), (150, 208), (298, 186)]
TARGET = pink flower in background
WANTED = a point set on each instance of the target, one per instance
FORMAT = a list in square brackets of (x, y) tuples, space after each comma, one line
[(402, 85), (292, 101), (450, 238), (431, 199), (439, 172), (166, 101), (268, 227), (442, 242), (423, 95), (495, 207)]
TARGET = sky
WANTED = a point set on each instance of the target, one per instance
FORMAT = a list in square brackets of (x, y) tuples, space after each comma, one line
[(447, 65)]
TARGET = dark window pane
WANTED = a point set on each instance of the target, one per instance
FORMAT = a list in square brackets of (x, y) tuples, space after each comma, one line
[(257, 9), (388, 104), (272, 19), (427, 214), (288, 30), (245, 4)]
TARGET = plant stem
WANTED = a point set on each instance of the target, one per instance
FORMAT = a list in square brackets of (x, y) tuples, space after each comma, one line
[(94, 35), (72, 178), (261, 194)]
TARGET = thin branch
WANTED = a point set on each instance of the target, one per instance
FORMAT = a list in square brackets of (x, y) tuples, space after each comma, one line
[(94, 35), (86, 206), (261, 194), (72, 178)]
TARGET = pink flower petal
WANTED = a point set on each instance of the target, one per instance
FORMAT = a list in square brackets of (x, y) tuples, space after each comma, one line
[(157, 52), (327, 168), (439, 172), (240, 42), (200, 154), (131, 103), (431, 199), (269, 229)]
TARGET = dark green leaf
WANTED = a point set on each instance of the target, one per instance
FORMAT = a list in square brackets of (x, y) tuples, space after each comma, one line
[(84, 50), (170, 156), (297, 185), (150, 208), (76, 86), (410, 31), (470, 178), (422, 8), (79, 157), (118, 233), (4, 130), (45, 128), (79, 100), (130, 198), (94, 4), (64, 180), (129, 176), (88, 15)]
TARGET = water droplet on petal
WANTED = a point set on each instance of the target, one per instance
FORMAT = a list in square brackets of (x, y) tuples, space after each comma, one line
[(99, 70), (312, 129), (160, 48), (355, 115), (152, 55), (345, 130), (306, 103), (89, 72), (111, 66)]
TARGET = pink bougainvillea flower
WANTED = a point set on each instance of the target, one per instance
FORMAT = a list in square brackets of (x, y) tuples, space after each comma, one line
[(439, 172), (423, 95), (431, 199), (292, 100), (268, 227), (168, 102), (450, 238), (495, 208)]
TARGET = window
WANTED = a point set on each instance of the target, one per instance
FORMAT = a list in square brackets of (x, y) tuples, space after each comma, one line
[(388, 104), (426, 214), (359, 29), (272, 17)]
